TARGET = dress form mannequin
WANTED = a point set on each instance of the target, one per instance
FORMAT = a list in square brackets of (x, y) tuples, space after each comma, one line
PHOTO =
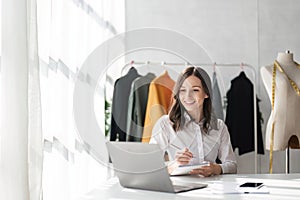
[(286, 112)]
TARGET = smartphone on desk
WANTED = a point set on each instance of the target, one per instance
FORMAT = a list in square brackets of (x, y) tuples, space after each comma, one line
[(251, 185)]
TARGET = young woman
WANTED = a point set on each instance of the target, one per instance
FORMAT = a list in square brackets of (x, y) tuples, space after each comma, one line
[(190, 134)]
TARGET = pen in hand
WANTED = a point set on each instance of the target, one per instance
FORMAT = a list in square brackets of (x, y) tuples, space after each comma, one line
[(178, 148)]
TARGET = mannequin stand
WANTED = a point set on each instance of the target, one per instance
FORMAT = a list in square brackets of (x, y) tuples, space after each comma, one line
[(287, 160), (293, 144)]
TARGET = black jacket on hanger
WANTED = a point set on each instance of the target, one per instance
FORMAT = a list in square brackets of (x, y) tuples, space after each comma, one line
[(240, 116), (120, 105), (137, 105)]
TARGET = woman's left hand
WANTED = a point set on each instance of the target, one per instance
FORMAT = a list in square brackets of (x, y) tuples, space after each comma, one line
[(209, 170)]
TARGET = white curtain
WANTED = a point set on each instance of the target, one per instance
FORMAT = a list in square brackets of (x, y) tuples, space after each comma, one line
[(21, 136), (44, 43)]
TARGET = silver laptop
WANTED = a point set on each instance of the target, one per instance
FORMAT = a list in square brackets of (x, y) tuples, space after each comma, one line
[(141, 166)]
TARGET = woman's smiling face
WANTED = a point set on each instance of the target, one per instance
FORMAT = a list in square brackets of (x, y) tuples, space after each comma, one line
[(192, 95)]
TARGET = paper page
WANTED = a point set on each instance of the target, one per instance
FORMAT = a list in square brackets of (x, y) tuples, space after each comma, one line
[(185, 169)]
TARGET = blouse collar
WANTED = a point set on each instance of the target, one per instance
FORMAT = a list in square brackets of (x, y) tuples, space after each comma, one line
[(213, 121)]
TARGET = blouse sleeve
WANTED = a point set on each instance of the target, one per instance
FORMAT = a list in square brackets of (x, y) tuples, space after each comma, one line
[(160, 133), (226, 154)]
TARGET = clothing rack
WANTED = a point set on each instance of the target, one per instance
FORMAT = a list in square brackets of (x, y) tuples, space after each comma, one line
[(242, 66)]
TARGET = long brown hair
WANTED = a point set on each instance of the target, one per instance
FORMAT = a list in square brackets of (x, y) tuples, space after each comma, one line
[(177, 109)]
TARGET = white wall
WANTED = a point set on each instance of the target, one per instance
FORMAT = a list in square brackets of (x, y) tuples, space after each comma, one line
[(231, 31)]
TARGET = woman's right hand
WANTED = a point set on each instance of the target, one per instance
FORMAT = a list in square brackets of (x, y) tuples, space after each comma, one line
[(183, 156)]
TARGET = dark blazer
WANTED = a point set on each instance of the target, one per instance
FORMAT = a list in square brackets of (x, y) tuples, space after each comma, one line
[(120, 105), (240, 116), (137, 107)]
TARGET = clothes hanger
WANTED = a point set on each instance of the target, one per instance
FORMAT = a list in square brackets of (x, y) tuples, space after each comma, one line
[(214, 67), (131, 64), (163, 64), (242, 66)]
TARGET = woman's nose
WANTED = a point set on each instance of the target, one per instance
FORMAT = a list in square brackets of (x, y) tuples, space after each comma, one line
[(189, 94)]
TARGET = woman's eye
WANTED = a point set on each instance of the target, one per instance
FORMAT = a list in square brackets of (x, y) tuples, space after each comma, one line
[(196, 90)]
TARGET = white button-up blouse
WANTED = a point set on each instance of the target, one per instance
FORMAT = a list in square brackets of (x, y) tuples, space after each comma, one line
[(204, 146)]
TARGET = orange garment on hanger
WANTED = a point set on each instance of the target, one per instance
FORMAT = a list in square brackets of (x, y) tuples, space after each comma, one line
[(159, 100)]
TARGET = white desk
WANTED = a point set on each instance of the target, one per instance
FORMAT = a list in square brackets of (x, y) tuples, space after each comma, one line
[(281, 186)]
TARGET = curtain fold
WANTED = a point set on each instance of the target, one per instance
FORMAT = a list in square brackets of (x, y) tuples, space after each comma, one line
[(35, 137), (16, 146)]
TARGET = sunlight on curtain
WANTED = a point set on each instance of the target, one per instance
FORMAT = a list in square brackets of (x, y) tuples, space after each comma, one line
[(68, 31), (35, 137), (15, 166)]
